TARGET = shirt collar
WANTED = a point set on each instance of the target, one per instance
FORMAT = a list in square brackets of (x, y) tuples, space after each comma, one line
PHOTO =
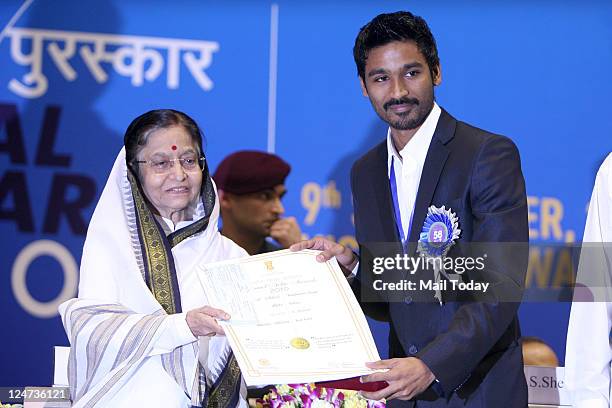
[(416, 148)]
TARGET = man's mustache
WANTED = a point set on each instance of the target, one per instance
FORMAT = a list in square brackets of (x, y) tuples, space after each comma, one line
[(401, 101)]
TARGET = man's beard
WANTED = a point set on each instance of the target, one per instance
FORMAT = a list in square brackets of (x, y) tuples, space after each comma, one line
[(404, 122)]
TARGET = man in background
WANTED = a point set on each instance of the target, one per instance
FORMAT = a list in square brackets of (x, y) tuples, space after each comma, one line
[(537, 353), (251, 185)]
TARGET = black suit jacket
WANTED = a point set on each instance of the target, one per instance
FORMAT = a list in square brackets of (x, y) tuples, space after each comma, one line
[(471, 344)]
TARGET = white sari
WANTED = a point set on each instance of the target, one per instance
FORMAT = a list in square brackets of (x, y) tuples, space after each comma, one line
[(126, 349)]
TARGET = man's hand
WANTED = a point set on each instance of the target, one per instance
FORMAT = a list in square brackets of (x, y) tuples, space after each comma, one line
[(203, 321), (345, 257), (286, 231), (407, 378)]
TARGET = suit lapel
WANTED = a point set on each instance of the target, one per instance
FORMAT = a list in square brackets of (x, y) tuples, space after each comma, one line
[(432, 169), (380, 179)]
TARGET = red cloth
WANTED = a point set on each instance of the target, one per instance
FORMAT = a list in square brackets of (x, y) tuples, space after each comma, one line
[(354, 384)]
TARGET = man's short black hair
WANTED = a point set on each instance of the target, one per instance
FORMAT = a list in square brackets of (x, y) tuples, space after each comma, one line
[(399, 26)]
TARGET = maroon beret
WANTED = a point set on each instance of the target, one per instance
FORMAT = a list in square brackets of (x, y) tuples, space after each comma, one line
[(249, 171)]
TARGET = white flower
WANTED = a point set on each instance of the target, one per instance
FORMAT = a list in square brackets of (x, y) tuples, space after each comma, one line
[(283, 389), (355, 401), (321, 404)]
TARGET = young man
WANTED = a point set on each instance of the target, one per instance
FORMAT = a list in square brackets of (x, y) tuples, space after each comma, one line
[(444, 353), (251, 185)]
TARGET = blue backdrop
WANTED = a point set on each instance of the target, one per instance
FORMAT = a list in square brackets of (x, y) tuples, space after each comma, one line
[(280, 77)]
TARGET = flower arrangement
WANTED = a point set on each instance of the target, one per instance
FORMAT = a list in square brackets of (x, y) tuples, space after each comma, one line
[(311, 396)]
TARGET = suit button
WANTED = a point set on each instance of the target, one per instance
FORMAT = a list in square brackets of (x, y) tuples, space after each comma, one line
[(408, 300), (413, 349)]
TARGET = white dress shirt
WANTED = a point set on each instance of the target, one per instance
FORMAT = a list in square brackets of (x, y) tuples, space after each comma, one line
[(588, 353), (408, 165)]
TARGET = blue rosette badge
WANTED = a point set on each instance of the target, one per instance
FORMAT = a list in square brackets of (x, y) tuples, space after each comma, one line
[(439, 233)]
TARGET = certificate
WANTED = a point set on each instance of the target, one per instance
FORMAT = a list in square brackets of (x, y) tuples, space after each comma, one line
[(293, 319)]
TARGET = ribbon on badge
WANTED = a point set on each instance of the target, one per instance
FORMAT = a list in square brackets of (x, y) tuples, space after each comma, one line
[(439, 233)]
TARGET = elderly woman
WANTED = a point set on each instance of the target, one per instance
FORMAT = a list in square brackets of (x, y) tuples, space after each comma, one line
[(141, 332)]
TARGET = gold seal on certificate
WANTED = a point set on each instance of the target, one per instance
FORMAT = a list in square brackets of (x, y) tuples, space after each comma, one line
[(300, 343), (293, 319)]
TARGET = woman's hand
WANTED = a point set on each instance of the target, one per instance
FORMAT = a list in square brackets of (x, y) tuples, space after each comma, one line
[(203, 321)]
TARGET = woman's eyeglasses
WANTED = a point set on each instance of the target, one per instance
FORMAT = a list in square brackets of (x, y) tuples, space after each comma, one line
[(163, 166)]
